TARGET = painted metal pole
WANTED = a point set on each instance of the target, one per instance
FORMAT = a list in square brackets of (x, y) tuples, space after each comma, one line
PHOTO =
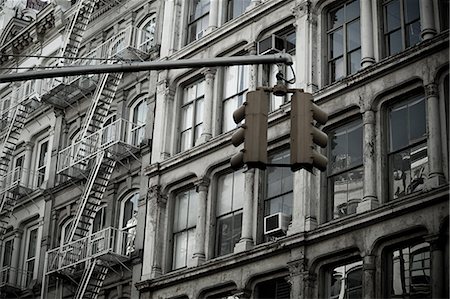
[(147, 66)]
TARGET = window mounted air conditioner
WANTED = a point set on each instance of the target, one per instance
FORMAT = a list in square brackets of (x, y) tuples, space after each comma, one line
[(271, 45), (276, 224)]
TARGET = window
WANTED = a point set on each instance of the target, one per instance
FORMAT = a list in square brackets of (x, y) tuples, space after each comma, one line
[(280, 42), (5, 112), (42, 162), (65, 231), (409, 272), (344, 41), (146, 37), (408, 159), (192, 114), (31, 254), (110, 131), (184, 223), (139, 118), (279, 181), (401, 25), (6, 260), (345, 171), (129, 210), (236, 85), (277, 288), (229, 211), (198, 19), (344, 281), (236, 8)]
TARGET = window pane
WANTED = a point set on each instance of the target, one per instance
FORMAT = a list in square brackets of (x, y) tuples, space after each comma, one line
[(355, 144), (353, 35), (339, 149), (238, 190), (7, 253), (181, 208), (186, 116), (354, 62), (231, 81), (32, 243), (336, 18), (394, 41), (417, 120), (287, 204), (337, 69), (199, 112), (225, 227), (412, 11), (180, 250), (228, 108), (224, 194), (192, 209), (186, 140), (392, 14), (398, 118), (336, 46), (346, 281), (347, 191), (352, 10), (412, 34)]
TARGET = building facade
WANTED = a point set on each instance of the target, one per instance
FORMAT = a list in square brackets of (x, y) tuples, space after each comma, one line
[(120, 186)]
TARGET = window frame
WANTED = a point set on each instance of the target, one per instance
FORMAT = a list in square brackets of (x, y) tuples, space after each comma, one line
[(403, 26), (346, 71), (192, 21), (233, 213), (130, 245), (34, 259), (230, 8), (351, 122), (138, 109), (327, 274), (186, 102), (45, 164), (405, 100)]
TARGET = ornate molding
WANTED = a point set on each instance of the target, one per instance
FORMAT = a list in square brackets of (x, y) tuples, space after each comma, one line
[(297, 267), (431, 90), (302, 9), (202, 184), (154, 193)]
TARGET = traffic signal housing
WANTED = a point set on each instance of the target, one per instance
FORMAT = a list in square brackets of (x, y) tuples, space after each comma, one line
[(253, 133), (304, 135)]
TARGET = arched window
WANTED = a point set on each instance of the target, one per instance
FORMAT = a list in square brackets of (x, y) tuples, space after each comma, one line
[(128, 221), (146, 36), (65, 230), (138, 119)]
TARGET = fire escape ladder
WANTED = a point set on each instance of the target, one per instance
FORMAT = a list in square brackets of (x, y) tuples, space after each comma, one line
[(90, 201), (77, 26), (8, 200), (103, 97), (92, 280)]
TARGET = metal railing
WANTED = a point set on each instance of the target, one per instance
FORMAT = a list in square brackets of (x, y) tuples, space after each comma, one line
[(119, 131), (18, 177), (108, 52), (14, 277), (107, 241)]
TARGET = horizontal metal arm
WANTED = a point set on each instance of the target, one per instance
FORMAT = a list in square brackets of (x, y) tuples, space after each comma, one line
[(147, 66)]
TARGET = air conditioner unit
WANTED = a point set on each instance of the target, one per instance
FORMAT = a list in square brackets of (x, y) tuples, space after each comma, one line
[(271, 45), (276, 224)]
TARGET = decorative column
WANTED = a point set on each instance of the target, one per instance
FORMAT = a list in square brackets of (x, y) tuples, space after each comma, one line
[(434, 142), (162, 133), (305, 25), (27, 178), (369, 271), (369, 200), (296, 270), (437, 266), (154, 234), (304, 216), (246, 241), (367, 54), (200, 229), (253, 69), (18, 233), (310, 282), (167, 29), (427, 19), (56, 133), (213, 15), (207, 105)]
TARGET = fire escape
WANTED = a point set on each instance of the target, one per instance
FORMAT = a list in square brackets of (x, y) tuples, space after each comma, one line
[(93, 155)]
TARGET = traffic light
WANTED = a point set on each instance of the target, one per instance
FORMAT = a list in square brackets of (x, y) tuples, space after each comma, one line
[(304, 134), (253, 133)]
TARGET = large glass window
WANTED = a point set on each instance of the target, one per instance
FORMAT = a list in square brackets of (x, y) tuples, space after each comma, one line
[(230, 193), (344, 40), (139, 117), (408, 157), (192, 114), (198, 19), (444, 9), (236, 8), (279, 184), (6, 260), (345, 170), (401, 25), (409, 272), (345, 281), (31, 254), (235, 88), (184, 223), (128, 222), (42, 161)]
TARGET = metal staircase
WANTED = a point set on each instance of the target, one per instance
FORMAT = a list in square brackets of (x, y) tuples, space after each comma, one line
[(92, 280), (75, 31), (8, 199)]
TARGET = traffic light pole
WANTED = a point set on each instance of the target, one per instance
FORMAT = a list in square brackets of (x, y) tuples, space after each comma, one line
[(147, 66)]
